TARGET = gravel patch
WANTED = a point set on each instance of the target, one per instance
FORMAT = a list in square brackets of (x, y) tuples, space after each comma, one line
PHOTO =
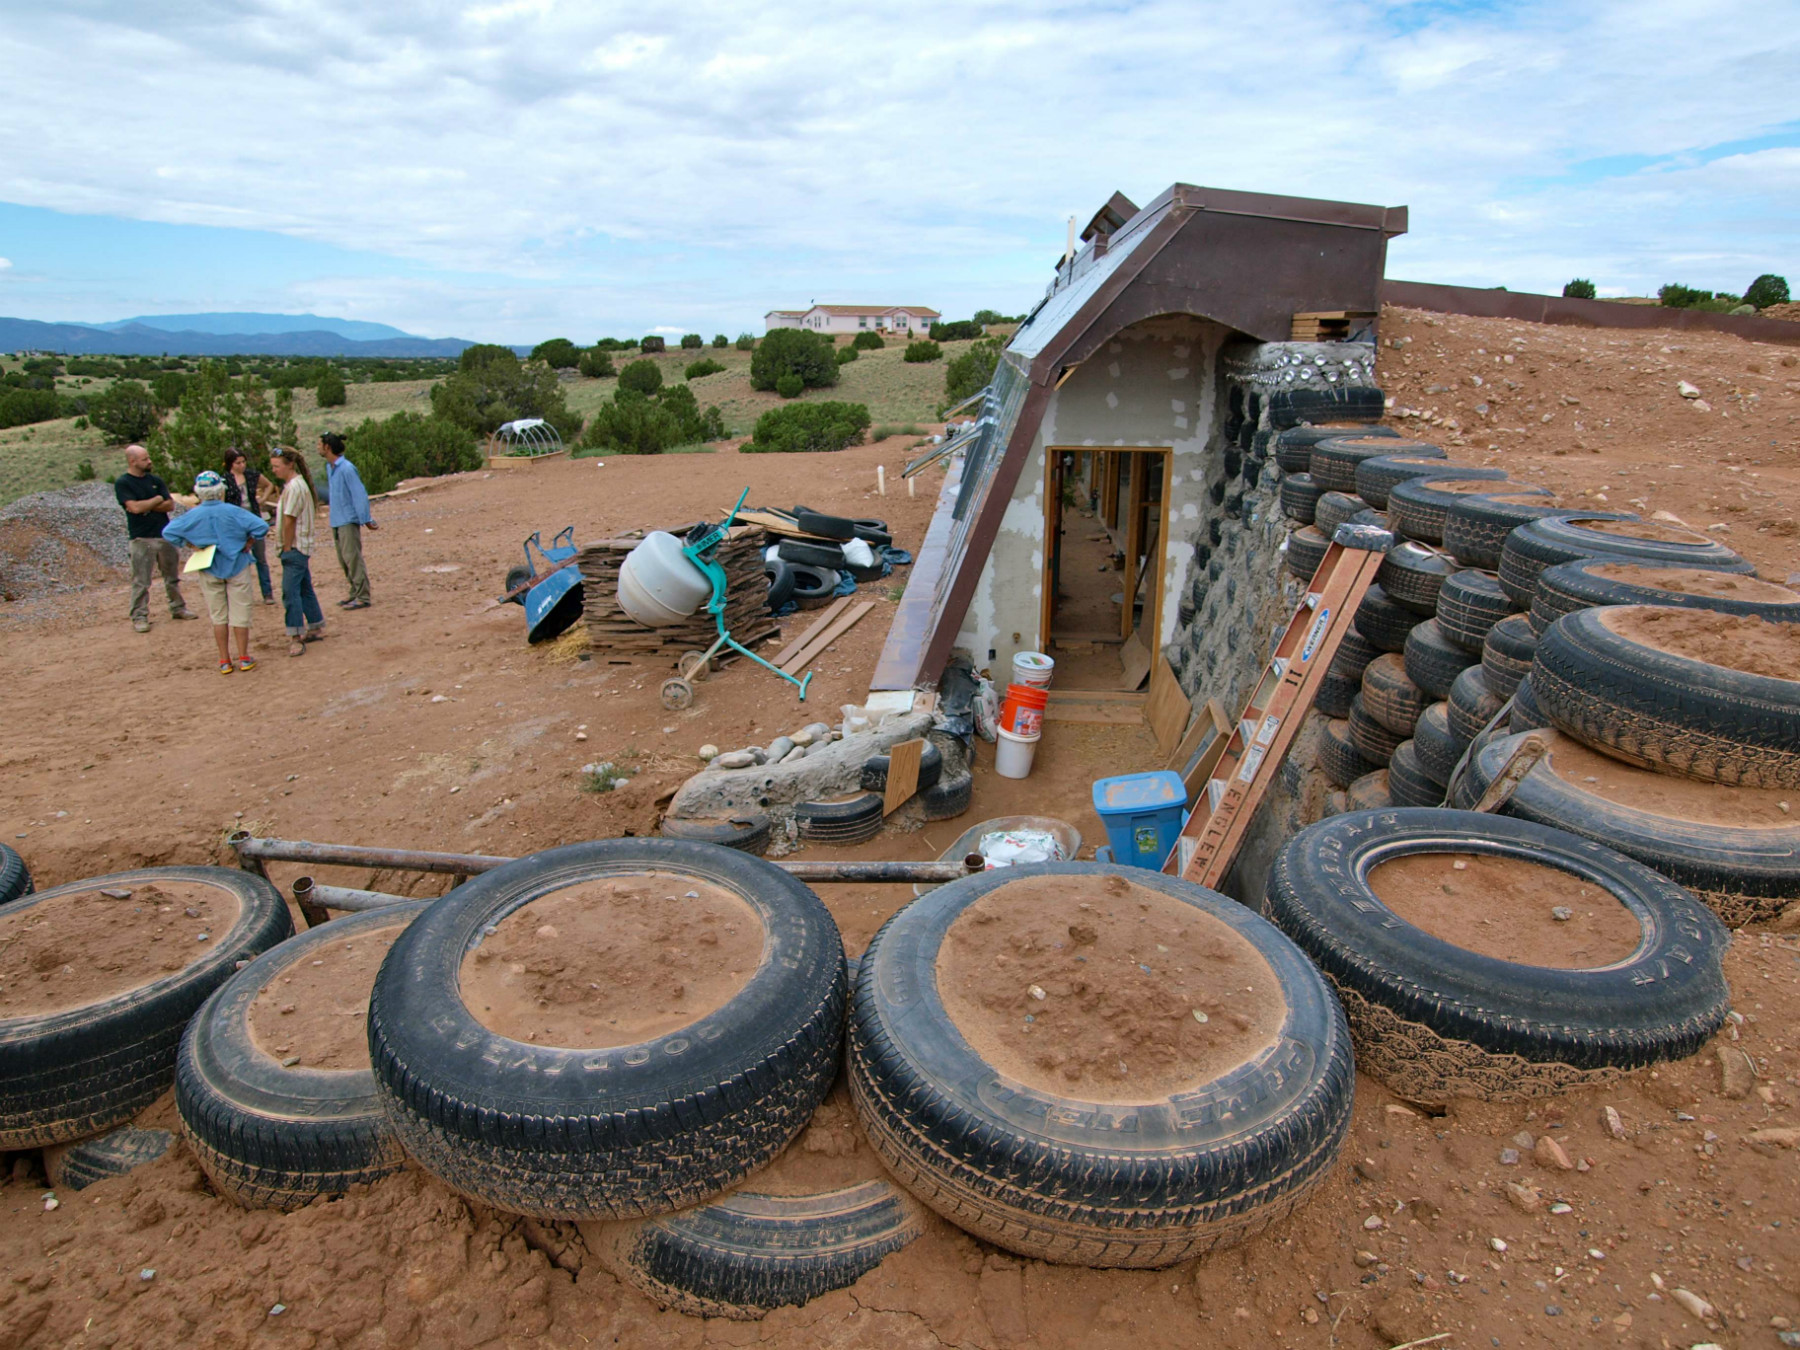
[(61, 540)]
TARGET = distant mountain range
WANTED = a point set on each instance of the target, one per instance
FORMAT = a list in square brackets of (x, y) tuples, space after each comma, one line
[(227, 334)]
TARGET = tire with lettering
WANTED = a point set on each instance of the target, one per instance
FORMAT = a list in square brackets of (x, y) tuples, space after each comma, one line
[(1435, 1021), (1052, 1176), (620, 1131)]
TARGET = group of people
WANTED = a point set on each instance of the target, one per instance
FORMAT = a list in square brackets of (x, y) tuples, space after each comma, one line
[(227, 524)]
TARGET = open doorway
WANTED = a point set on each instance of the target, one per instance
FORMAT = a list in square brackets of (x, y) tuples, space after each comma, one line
[(1105, 522)]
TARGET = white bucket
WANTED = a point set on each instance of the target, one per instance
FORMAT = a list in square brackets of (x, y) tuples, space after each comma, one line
[(1033, 668), (1013, 754)]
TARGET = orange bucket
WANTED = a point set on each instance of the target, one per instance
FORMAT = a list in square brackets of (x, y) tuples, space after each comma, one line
[(1023, 712)]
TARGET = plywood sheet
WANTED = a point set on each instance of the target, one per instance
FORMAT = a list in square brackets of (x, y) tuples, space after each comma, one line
[(1168, 710), (1134, 660), (902, 774)]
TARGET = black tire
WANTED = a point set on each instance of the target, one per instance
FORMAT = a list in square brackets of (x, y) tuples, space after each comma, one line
[(1433, 661), (1412, 574), (275, 1136), (1305, 551), (1353, 655), (1370, 517), (1738, 853), (1339, 759), (1383, 622), (1299, 497), (812, 555), (1435, 1021), (1335, 459), (1333, 509), (1335, 693), (1391, 697), (781, 582), (1417, 506), (1049, 1177), (76, 1166), (931, 768), (1469, 603), (1377, 477), (15, 877), (79, 1072), (1663, 711), (1373, 741), (1293, 447), (814, 587), (1472, 704), (1570, 586), (1369, 793), (853, 820), (1506, 654), (627, 1131), (1475, 528), (748, 833), (822, 526), (743, 1256), (1408, 783), (1337, 801), (1526, 713), (516, 576), (1435, 746), (874, 533), (949, 797), (1567, 536)]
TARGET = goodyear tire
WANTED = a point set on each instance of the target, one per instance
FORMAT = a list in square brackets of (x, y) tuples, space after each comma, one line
[(1299, 497), (1334, 508), (1390, 697), (76, 1166), (1305, 551), (949, 797), (748, 833), (1734, 848), (1408, 783), (1293, 447), (78, 1072), (1588, 583), (1658, 709), (1383, 622), (1418, 505), (1141, 1184), (1339, 759), (1433, 661), (1412, 574), (622, 1131), (1569, 535), (851, 820), (1335, 458), (1435, 1021), (1377, 477), (1470, 603), (1435, 746), (1475, 528), (1506, 654), (1369, 793), (1472, 704), (15, 877), (276, 1136), (1527, 713), (931, 768), (1373, 741), (747, 1254)]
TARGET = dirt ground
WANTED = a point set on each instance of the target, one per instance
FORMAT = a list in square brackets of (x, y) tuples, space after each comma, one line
[(426, 722)]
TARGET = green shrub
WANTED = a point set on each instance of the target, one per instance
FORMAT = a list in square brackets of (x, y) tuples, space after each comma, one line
[(612, 345), (125, 413), (484, 354), (492, 386), (630, 426), (692, 341), (641, 377), (790, 385), (1766, 290), (794, 351), (987, 316), (962, 330), (557, 353), (21, 407), (652, 344), (332, 393), (808, 427), (845, 355), (720, 340), (166, 388), (218, 411), (971, 371), (1580, 289), (409, 445), (868, 342), (679, 402), (1677, 296), (84, 471), (917, 352), (700, 369), (746, 342), (596, 363)]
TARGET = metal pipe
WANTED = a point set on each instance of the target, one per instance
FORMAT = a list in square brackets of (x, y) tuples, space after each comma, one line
[(883, 871), (344, 898)]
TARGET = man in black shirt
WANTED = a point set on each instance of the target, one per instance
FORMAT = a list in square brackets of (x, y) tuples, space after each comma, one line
[(147, 504)]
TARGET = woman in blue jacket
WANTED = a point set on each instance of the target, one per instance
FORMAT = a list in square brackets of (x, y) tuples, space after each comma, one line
[(225, 581)]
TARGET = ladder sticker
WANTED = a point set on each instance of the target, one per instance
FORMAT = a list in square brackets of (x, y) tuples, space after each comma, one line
[(1313, 634), (1270, 725), (1253, 758), (1215, 792)]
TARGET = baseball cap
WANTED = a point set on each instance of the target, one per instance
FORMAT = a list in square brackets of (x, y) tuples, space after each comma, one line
[(208, 479)]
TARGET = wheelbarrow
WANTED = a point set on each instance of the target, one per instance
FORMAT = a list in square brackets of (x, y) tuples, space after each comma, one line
[(553, 602)]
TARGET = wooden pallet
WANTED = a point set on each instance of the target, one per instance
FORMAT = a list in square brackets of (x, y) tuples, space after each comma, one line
[(1266, 729), (614, 633), (1327, 325)]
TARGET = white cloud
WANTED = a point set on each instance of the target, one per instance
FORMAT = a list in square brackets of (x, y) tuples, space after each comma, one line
[(5, 263)]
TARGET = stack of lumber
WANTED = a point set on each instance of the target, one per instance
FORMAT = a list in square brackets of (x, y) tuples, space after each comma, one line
[(1331, 325), (614, 633)]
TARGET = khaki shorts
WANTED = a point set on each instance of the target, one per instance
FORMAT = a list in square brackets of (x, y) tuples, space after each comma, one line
[(228, 602)]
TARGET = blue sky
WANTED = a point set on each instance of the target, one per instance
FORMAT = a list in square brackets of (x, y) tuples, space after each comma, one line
[(516, 169)]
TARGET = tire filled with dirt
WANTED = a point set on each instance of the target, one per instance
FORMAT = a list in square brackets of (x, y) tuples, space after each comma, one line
[(97, 981), (1376, 478), (273, 1083), (1305, 551), (1734, 848), (1335, 458), (1433, 661), (1412, 574), (1567, 536), (1390, 696), (609, 1030), (1299, 498), (1339, 759), (1475, 528), (1490, 957), (1417, 506), (1590, 582), (1060, 1058), (1686, 691), (1506, 654), (1294, 447), (1469, 603)]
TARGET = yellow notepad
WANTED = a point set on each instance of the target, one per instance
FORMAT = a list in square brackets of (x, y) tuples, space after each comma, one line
[(202, 559)]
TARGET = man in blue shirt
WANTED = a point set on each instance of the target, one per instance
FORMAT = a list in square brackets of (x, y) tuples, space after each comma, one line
[(348, 501), (225, 581)]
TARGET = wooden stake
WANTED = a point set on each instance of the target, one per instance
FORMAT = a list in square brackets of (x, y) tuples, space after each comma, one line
[(881, 480), (909, 488)]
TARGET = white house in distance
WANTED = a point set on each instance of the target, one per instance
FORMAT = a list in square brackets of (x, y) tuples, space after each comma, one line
[(834, 319)]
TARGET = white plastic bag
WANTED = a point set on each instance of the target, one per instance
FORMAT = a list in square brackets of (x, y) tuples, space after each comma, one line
[(986, 709), (858, 553)]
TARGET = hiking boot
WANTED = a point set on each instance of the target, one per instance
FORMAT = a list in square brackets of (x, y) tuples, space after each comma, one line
[(141, 625), (183, 614)]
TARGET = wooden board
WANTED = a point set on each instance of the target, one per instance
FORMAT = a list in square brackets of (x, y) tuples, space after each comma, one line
[(1111, 707), (817, 626), (1134, 658), (902, 774), (1200, 750), (844, 624), (1168, 709)]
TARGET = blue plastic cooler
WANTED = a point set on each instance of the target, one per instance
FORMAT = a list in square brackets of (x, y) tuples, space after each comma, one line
[(1142, 813)]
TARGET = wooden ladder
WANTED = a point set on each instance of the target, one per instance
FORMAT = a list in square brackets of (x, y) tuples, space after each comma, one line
[(1214, 832)]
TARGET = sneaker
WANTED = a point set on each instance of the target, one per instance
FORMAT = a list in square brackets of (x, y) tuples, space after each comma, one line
[(184, 614), (356, 604), (141, 625), (226, 668), (345, 604), (268, 599), (246, 663)]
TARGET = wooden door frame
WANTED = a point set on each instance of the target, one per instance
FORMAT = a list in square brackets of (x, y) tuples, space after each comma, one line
[(1111, 457)]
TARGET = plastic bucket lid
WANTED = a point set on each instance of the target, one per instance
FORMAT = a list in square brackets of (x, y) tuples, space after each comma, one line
[(1032, 668)]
